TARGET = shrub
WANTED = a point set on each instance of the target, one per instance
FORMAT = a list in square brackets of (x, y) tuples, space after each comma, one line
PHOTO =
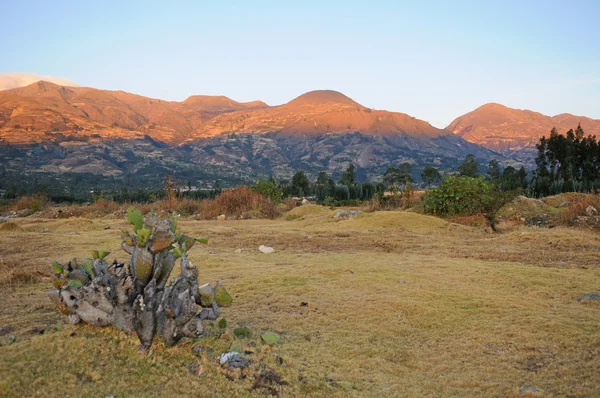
[(33, 203), (269, 189), (464, 196), (240, 201)]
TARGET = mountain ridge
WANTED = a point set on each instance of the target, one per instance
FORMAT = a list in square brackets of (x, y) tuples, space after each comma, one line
[(508, 130)]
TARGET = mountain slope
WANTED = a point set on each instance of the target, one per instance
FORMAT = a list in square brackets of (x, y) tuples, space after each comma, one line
[(508, 130), (42, 110), (317, 112)]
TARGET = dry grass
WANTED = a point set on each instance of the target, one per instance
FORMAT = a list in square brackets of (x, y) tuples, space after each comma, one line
[(399, 304)]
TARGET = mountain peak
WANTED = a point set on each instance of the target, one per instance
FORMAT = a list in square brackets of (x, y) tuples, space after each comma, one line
[(323, 97)]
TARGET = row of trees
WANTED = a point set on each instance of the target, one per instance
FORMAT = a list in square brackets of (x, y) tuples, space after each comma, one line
[(567, 163)]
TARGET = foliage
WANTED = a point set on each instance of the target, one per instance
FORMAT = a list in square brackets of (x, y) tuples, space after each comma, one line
[(349, 176), (566, 163), (469, 167), (269, 189), (395, 177), (431, 175), (300, 184)]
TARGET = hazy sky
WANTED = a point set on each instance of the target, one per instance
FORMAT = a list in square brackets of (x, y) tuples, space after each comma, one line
[(432, 60)]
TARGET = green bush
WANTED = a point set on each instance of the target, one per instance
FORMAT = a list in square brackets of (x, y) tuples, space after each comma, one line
[(458, 196), (269, 189), (467, 196)]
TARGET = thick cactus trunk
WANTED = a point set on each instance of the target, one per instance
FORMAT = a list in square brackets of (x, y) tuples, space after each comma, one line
[(138, 297)]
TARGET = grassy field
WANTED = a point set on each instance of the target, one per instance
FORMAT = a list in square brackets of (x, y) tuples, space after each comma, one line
[(395, 304)]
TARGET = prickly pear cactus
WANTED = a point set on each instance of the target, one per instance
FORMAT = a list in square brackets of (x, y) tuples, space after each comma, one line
[(138, 297)]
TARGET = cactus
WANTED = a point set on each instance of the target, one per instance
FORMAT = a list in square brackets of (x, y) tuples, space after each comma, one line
[(138, 297)]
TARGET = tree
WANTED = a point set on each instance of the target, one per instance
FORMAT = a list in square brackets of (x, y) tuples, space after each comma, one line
[(349, 176), (395, 177), (300, 184), (469, 168), (430, 175), (269, 189), (494, 171), (322, 189)]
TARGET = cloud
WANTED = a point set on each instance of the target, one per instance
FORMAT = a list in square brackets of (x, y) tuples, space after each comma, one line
[(13, 80)]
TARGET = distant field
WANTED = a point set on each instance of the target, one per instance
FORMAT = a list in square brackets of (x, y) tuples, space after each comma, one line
[(397, 304)]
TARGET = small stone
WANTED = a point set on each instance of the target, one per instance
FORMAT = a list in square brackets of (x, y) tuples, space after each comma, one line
[(591, 210), (238, 251), (221, 217), (347, 214), (528, 390), (594, 296), (222, 296), (4, 330), (74, 319), (234, 359), (304, 304), (305, 201), (107, 227), (563, 204), (44, 230), (199, 349), (270, 338), (265, 249)]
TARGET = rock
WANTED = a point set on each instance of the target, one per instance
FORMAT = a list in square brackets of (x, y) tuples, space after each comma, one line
[(528, 391), (44, 230), (563, 204), (221, 217), (270, 338), (196, 368), (242, 332), (593, 296), (3, 219), (207, 295), (233, 359), (4, 330), (305, 201), (591, 210), (199, 349), (265, 249), (347, 214), (222, 296), (238, 251)]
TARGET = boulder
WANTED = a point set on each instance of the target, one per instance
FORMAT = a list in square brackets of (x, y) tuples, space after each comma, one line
[(3, 219), (347, 214), (207, 295), (265, 249)]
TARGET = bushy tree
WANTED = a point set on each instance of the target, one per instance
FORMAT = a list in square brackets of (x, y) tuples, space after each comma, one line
[(300, 184), (493, 171), (349, 176), (467, 196), (431, 175), (469, 167), (269, 189), (395, 177)]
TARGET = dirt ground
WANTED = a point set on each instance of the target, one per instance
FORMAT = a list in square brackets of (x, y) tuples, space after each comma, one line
[(387, 304)]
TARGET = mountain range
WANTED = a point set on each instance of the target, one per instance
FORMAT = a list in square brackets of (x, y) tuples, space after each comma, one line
[(514, 132), (51, 129)]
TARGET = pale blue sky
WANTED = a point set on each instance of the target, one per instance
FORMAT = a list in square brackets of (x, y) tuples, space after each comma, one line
[(432, 60)]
